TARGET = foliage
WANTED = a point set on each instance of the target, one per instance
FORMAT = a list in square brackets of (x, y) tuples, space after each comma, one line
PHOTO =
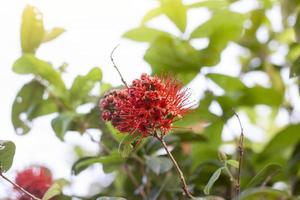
[(139, 167)]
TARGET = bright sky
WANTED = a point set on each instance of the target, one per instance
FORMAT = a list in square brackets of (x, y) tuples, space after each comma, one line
[(93, 27)]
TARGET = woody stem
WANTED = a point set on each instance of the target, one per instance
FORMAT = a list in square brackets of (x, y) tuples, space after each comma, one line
[(19, 187), (179, 172)]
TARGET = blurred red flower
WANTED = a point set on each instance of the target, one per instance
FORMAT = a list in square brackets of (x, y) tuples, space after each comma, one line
[(149, 104), (35, 180)]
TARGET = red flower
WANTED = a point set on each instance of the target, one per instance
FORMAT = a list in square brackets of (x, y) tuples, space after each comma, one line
[(35, 180), (149, 104)]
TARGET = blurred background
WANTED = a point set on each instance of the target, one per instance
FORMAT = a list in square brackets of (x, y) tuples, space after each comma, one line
[(256, 56), (93, 29)]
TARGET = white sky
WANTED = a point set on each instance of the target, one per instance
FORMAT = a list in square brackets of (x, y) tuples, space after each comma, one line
[(93, 27)]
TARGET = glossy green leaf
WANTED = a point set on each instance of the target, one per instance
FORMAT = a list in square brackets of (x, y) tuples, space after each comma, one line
[(265, 174), (212, 181), (28, 104), (176, 12), (233, 163), (159, 164), (111, 160), (55, 189), (144, 34), (32, 29), (83, 85), (62, 123), (29, 64), (110, 198), (54, 33), (7, 153), (264, 193)]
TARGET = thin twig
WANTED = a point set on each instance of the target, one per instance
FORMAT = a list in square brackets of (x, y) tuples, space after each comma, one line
[(134, 181), (19, 188), (115, 66), (241, 154), (180, 174)]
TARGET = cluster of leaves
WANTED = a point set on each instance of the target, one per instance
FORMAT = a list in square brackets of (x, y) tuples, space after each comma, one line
[(196, 148), (169, 52)]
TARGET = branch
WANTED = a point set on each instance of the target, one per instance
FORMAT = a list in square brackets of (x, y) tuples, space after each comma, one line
[(180, 174), (241, 154), (134, 181), (19, 187), (115, 66)]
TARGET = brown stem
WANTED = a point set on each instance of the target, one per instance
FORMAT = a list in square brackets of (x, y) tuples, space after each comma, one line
[(19, 188), (115, 66), (241, 154), (180, 174)]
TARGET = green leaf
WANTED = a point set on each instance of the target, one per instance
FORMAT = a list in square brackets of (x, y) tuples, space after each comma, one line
[(114, 132), (125, 146), (54, 33), (176, 12), (295, 68), (285, 140), (210, 4), (7, 153), (32, 29), (228, 83), (220, 31), (220, 26), (263, 193), (62, 123), (159, 165), (114, 159), (152, 14), (29, 64), (104, 87), (110, 198), (212, 180), (172, 55), (144, 34), (265, 174), (297, 28), (209, 198), (257, 95), (28, 104), (189, 136), (83, 85), (55, 189), (233, 163)]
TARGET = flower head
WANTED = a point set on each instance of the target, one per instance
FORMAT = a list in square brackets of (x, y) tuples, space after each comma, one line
[(147, 105), (35, 180)]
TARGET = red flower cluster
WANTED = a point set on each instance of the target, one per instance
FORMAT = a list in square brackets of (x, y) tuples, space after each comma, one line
[(149, 104), (35, 180)]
